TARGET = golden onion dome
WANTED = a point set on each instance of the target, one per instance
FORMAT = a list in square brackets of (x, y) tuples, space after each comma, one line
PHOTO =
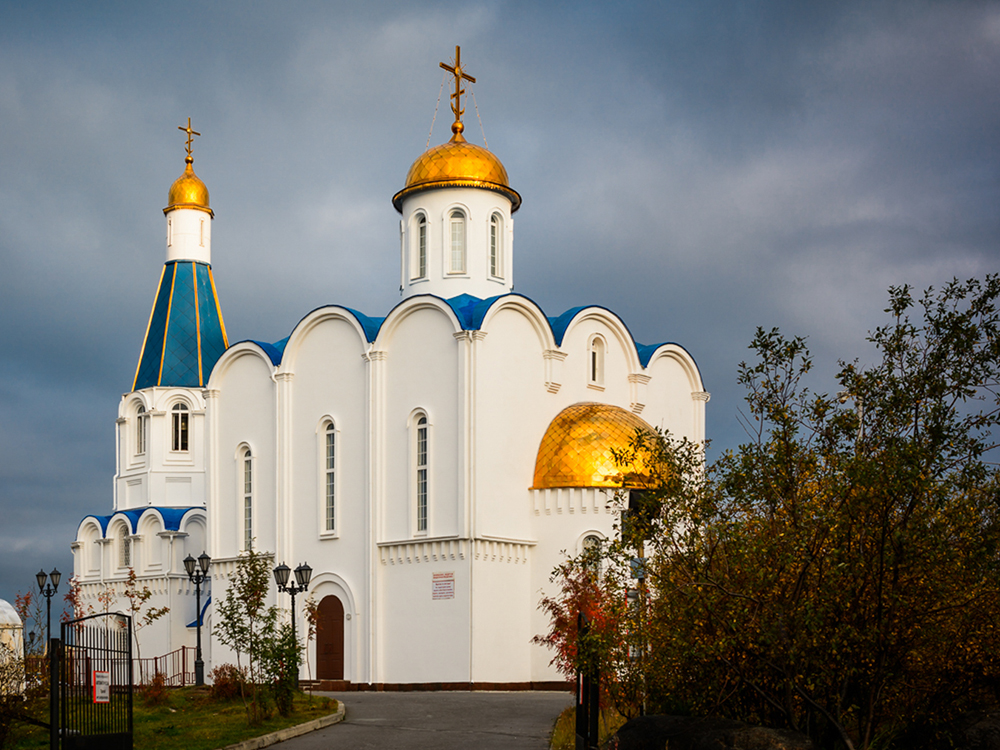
[(457, 163), (578, 449), (188, 191)]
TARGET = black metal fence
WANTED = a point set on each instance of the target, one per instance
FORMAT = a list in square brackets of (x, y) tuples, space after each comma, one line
[(95, 683)]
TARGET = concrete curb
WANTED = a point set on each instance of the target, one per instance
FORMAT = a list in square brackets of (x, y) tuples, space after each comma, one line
[(287, 733)]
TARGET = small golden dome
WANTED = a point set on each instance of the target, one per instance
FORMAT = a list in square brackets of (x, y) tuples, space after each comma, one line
[(188, 191), (457, 163), (576, 450)]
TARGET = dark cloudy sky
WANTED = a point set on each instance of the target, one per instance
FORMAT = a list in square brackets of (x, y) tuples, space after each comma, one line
[(699, 167)]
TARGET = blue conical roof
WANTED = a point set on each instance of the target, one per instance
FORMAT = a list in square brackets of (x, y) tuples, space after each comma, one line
[(186, 334)]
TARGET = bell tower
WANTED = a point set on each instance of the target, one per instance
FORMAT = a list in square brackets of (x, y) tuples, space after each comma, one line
[(161, 421), (457, 234)]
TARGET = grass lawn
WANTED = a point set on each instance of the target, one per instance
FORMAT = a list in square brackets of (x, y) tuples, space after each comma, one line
[(190, 719)]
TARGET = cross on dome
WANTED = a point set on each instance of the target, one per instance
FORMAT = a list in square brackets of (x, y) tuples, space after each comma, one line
[(189, 138), (456, 104)]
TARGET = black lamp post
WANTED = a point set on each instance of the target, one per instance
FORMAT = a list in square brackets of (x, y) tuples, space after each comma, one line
[(302, 575), (197, 577), (48, 591)]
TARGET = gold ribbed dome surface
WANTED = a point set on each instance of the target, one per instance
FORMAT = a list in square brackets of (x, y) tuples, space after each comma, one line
[(577, 449), (457, 163), (188, 191)]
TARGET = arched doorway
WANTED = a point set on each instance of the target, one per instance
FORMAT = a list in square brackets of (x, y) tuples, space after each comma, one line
[(330, 639)]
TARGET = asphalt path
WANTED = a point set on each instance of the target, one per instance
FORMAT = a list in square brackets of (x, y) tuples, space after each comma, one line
[(426, 720)]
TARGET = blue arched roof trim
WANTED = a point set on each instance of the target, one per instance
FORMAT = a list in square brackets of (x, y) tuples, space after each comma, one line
[(471, 312), (172, 517), (560, 324), (200, 620), (102, 521), (273, 351)]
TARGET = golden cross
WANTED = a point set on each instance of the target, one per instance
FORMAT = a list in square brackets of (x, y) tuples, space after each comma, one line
[(190, 133), (456, 70)]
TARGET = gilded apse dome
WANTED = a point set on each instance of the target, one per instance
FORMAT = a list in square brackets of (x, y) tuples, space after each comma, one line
[(457, 163), (188, 191), (577, 449)]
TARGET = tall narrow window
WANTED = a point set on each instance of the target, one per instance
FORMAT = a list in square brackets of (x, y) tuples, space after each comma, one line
[(140, 430), (457, 234), (591, 553), (597, 361), (331, 479), (247, 499), (201, 233), (179, 441), (496, 268), (124, 547), (170, 232), (421, 465), (421, 247)]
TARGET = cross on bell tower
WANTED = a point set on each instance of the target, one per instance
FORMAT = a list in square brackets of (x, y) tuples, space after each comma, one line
[(456, 98)]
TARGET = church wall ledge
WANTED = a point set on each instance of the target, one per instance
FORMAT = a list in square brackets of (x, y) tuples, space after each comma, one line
[(571, 500)]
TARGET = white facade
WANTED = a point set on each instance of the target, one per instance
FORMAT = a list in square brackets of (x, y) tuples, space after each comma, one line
[(395, 456)]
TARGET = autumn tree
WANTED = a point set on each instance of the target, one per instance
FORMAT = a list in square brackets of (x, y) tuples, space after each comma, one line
[(137, 603), (838, 573), (258, 632)]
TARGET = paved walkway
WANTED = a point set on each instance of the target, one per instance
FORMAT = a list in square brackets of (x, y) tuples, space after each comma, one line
[(439, 720)]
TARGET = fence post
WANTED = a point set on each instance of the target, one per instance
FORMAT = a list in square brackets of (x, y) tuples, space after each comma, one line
[(54, 694)]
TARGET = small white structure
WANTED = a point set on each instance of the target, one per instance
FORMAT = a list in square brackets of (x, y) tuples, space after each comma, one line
[(11, 650), (433, 465)]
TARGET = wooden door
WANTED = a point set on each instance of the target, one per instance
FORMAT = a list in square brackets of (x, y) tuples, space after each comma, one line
[(330, 639)]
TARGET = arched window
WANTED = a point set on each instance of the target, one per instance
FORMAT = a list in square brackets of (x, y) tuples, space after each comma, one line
[(420, 261), (596, 364), (330, 478), (591, 551), (124, 547), (456, 233), (141, 419), (421, 465), (247, 499), (496, 246), (179, 431)]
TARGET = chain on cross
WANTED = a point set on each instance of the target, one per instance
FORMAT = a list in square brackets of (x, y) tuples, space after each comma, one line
[(456, 70)]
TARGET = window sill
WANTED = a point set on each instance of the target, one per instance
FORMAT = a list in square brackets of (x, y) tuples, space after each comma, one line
[(595, 386), (329, 535)]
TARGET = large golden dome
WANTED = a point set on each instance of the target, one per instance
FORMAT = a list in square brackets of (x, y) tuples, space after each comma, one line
[(457, 163), (577, 449), (188, 191)]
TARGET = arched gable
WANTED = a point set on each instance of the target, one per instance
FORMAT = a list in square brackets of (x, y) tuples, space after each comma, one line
[(408, 307), (96, 524), (234, 354), (531, 312), (620, 331), (315, 319), (680, 355)]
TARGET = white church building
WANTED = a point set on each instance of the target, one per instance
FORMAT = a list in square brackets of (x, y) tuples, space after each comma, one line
[(433, 465)]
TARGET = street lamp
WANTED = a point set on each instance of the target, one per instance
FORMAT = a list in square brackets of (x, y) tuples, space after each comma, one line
[(197, 576), (302, 575), (48, 591)]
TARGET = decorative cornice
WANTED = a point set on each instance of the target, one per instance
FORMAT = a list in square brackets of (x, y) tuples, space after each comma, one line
[(701, 396)]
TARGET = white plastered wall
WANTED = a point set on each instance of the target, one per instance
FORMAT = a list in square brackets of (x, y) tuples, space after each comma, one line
[(478, 206)]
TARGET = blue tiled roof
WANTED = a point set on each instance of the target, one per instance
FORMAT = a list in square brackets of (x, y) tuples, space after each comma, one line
[(186, 334), (470, 311), (171, 517)]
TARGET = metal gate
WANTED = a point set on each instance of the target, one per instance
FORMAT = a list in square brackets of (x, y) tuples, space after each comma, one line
[(95, 683)]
